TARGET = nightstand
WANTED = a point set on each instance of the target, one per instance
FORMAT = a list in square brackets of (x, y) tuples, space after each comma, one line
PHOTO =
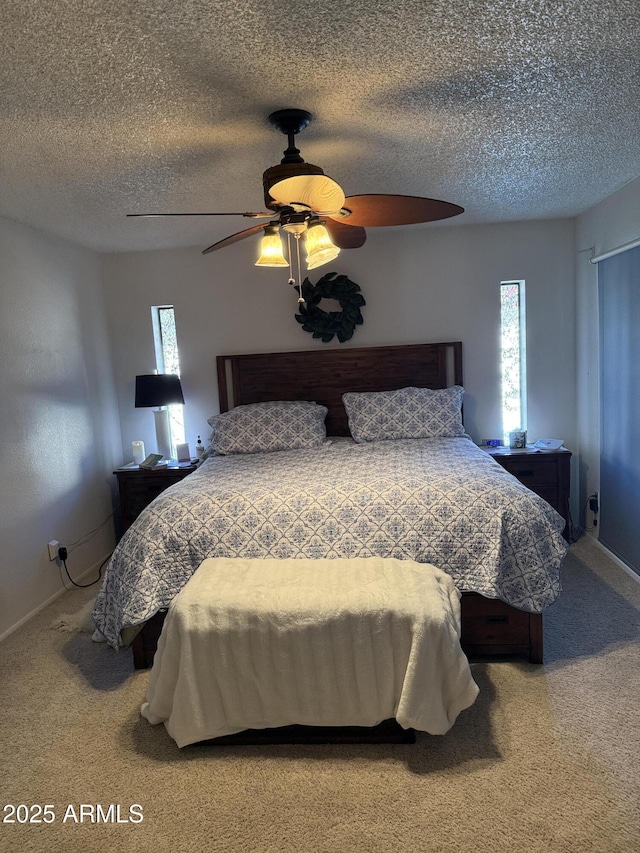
[(138, 487), (545, 472)]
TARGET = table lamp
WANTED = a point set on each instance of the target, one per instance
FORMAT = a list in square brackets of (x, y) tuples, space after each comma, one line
[(161, 390)]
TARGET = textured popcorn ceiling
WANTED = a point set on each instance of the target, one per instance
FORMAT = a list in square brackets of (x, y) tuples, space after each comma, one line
[(513, 109)]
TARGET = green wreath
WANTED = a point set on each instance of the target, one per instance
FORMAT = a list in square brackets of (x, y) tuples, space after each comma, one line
[(326, 324)]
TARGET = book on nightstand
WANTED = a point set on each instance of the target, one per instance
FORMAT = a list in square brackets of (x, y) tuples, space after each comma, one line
[(153, 460)]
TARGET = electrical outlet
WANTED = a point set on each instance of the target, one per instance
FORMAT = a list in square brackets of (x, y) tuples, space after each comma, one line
[(53, 549)]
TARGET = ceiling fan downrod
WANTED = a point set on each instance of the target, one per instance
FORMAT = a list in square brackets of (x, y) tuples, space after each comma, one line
[(291, 122)]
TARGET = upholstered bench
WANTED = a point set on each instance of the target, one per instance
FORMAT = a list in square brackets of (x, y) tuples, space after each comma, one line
[(264, 643)]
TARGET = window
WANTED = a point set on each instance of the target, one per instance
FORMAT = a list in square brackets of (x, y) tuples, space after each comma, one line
[(167, 361), (512, 350)]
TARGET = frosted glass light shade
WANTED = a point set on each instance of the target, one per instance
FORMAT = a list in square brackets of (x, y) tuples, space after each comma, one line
[(319, 192), (271, 249), (320, 249)]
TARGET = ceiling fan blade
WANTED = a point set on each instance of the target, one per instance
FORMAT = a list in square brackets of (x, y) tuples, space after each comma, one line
[(234, 238), (345, 236), (374, 210), (259, 215)]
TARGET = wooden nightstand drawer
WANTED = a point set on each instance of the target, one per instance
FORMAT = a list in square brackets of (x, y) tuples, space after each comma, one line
[(142, 490), (532, 471)]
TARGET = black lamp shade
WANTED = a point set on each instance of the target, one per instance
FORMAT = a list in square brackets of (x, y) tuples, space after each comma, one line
[(158, 389)]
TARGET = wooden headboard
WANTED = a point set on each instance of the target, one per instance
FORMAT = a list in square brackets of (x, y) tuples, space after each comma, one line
[(325, 375)]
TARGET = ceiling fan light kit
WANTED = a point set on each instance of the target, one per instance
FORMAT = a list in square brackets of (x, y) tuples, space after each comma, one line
[(304, 202)]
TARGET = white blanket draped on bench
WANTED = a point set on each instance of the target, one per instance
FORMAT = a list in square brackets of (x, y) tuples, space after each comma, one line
[(261, 643)]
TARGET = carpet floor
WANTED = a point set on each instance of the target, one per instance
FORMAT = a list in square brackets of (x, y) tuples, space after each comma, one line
[(545, 761)]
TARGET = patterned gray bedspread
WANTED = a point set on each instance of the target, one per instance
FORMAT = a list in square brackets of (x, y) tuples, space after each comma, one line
[(440, 501)]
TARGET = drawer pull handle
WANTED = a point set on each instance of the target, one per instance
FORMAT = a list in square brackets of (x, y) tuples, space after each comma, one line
[(497, 620)]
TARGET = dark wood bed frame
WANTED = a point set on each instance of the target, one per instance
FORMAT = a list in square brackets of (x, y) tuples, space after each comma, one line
[(489, 626)]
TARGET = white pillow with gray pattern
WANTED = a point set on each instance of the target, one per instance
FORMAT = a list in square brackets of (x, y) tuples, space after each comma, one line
[(406, 413), (267, 427)]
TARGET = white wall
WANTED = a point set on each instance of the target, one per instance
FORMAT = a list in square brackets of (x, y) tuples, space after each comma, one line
[(421, 284), (58, 421), (605, 226)]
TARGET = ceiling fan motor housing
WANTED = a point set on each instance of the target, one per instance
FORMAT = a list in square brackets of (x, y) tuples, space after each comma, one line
[(285, 170)]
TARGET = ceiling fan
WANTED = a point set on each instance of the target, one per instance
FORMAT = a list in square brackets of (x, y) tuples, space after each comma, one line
[(304, 202)]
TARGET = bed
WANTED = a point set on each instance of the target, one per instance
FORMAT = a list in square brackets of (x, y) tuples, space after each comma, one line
[(441, 501)]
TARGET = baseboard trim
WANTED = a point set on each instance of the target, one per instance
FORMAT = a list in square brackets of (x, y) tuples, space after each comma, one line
[(91, 570), (616, 559)]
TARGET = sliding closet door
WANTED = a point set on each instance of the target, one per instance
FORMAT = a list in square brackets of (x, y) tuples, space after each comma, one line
[(619, 290)]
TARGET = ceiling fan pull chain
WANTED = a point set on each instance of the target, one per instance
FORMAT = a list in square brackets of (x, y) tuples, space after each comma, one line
[(292, 280), (300, 296)]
